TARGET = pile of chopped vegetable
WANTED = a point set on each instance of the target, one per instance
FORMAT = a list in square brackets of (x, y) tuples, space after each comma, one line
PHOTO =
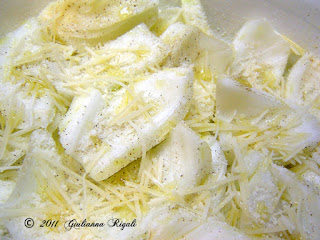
[(136, 110)]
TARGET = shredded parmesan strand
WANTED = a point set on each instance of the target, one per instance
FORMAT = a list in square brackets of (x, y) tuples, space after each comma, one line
[(63, 193), (217, 184)]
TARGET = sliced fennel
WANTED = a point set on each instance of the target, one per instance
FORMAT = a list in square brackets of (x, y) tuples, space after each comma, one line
[(233, 99), (168, 15), (308, 215), (263, 192), (24, 107), (271, 123), (6, 188), (185, 159), (136, 51), (79, 118), (190, 45), (219, 169), (194, 15), (302, 86), (135, 110), (219, 162), (34, 106), (110, 141), (261, 56), (79, 22)]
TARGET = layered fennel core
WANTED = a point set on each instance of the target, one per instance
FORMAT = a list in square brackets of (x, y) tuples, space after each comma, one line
[(75, 21)]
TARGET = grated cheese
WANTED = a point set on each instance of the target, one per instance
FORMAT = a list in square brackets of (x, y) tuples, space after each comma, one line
[(136, 110)]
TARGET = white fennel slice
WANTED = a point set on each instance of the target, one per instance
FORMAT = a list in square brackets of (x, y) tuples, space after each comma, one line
[(81, 113), (190, 45), (259, 47), (218, 167), (96, 21), (137, 51), (233, 98), (194, 14), (309, 210), (106, 139), (185, 159), (32, 108), (303, 83)]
